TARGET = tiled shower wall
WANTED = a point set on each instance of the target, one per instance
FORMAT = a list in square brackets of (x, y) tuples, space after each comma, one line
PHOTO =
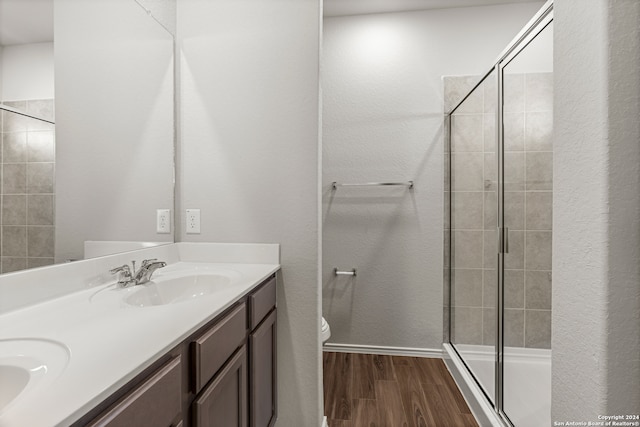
[(528, 210), (27, 187)]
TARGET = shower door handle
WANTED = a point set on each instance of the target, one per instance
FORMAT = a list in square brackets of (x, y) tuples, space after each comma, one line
[(506, 240), (503, 240)]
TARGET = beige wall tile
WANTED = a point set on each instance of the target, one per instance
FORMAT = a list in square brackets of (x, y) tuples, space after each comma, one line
[(513, 125), (467, 172), (13, 264), (467, 132), (14, 241), (14, 210), (539, 171), (490, 249), (466, 287), (539, 91), (40, 209), (40, 146), (14, 147), (39, 262), (467, 325), (538, 328), (514, 259), (14, 178), (539, 131), (40, 241), (490, 210), (513, 327), (538, 290), (40, 178), (467, 210), (489, 131), (467, 249), (514, 288), (538, 250), (514, 175), (514, 210), (489, 324), (539, 206), (489, 288)]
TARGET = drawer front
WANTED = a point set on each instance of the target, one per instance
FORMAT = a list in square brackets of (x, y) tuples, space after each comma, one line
[(224, 401), (156, 402), (262, 301), (216, 345)]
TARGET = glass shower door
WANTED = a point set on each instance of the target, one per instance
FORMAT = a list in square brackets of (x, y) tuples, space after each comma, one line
[(527, 153), (473, 225)]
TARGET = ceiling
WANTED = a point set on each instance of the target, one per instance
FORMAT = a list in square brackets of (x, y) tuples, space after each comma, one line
[(26, 21), (31, 21), (361, 7)]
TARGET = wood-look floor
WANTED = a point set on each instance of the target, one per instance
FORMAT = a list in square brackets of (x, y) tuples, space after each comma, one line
[(367, 390)]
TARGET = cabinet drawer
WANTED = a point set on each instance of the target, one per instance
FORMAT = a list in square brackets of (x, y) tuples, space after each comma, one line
[(262, 301), (156, 402), (215, 346)]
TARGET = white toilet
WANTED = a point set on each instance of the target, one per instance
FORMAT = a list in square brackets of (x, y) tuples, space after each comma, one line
[(325, 331)]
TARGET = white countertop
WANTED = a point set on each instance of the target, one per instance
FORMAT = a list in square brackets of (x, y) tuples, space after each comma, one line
[(110, 342)]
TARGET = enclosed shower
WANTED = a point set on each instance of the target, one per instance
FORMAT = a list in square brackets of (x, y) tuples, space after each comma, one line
[(498, 230)]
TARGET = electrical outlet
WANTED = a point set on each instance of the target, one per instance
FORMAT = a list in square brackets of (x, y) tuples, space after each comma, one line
[(163, 221), (193, 221)]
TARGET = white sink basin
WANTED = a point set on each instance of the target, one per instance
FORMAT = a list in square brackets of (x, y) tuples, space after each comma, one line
[(170, 287), (27, 365), (176, 290)]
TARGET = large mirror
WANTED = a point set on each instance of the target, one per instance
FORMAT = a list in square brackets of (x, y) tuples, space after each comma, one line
[(87, 126)]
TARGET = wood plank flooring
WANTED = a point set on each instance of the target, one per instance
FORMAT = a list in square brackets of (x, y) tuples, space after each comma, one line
[(369, 390)]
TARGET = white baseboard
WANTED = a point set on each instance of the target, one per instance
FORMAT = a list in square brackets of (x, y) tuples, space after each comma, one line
[(324, 422), (378, 349)]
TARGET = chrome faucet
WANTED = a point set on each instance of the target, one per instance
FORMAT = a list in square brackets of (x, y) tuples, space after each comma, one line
[(130, 277)]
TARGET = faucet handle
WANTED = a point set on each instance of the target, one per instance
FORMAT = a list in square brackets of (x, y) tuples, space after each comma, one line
[(122, 269), (146, 262)]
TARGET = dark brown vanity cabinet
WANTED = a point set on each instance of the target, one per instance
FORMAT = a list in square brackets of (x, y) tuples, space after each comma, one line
[(224, 401), (223, 375), (262, 358), (155, 402)]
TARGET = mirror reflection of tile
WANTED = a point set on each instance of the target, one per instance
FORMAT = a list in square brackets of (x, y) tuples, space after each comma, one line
[(27, 187)]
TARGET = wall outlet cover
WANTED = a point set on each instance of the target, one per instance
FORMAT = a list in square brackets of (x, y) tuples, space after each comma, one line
[(163, 221), (193, 221)]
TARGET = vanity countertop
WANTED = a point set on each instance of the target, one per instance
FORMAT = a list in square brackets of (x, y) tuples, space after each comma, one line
[(108, 342)]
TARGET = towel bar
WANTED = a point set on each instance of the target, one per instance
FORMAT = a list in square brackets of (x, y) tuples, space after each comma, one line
[(409, 184), (351, 272)]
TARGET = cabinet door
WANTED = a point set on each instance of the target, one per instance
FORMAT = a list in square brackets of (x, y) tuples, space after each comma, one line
[(262, 374), (156, 402), (223, 403)]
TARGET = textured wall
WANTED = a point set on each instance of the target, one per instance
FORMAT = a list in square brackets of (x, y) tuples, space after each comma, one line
[(382, 120), (249, 159), (596, 297)]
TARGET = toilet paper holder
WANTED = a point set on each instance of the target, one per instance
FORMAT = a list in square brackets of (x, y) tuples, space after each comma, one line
[(337, 272)]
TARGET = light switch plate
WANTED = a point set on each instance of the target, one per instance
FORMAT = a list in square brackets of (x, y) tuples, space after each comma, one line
[(193, 221), (163, 221)]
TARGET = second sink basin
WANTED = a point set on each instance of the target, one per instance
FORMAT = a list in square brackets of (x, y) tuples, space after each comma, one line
[(29, 364), (176, 289)]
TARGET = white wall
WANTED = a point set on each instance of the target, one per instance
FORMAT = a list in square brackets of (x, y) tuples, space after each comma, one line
[(383, 121), (27, 72), (249, 159), (114, 131), (596, 242)]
